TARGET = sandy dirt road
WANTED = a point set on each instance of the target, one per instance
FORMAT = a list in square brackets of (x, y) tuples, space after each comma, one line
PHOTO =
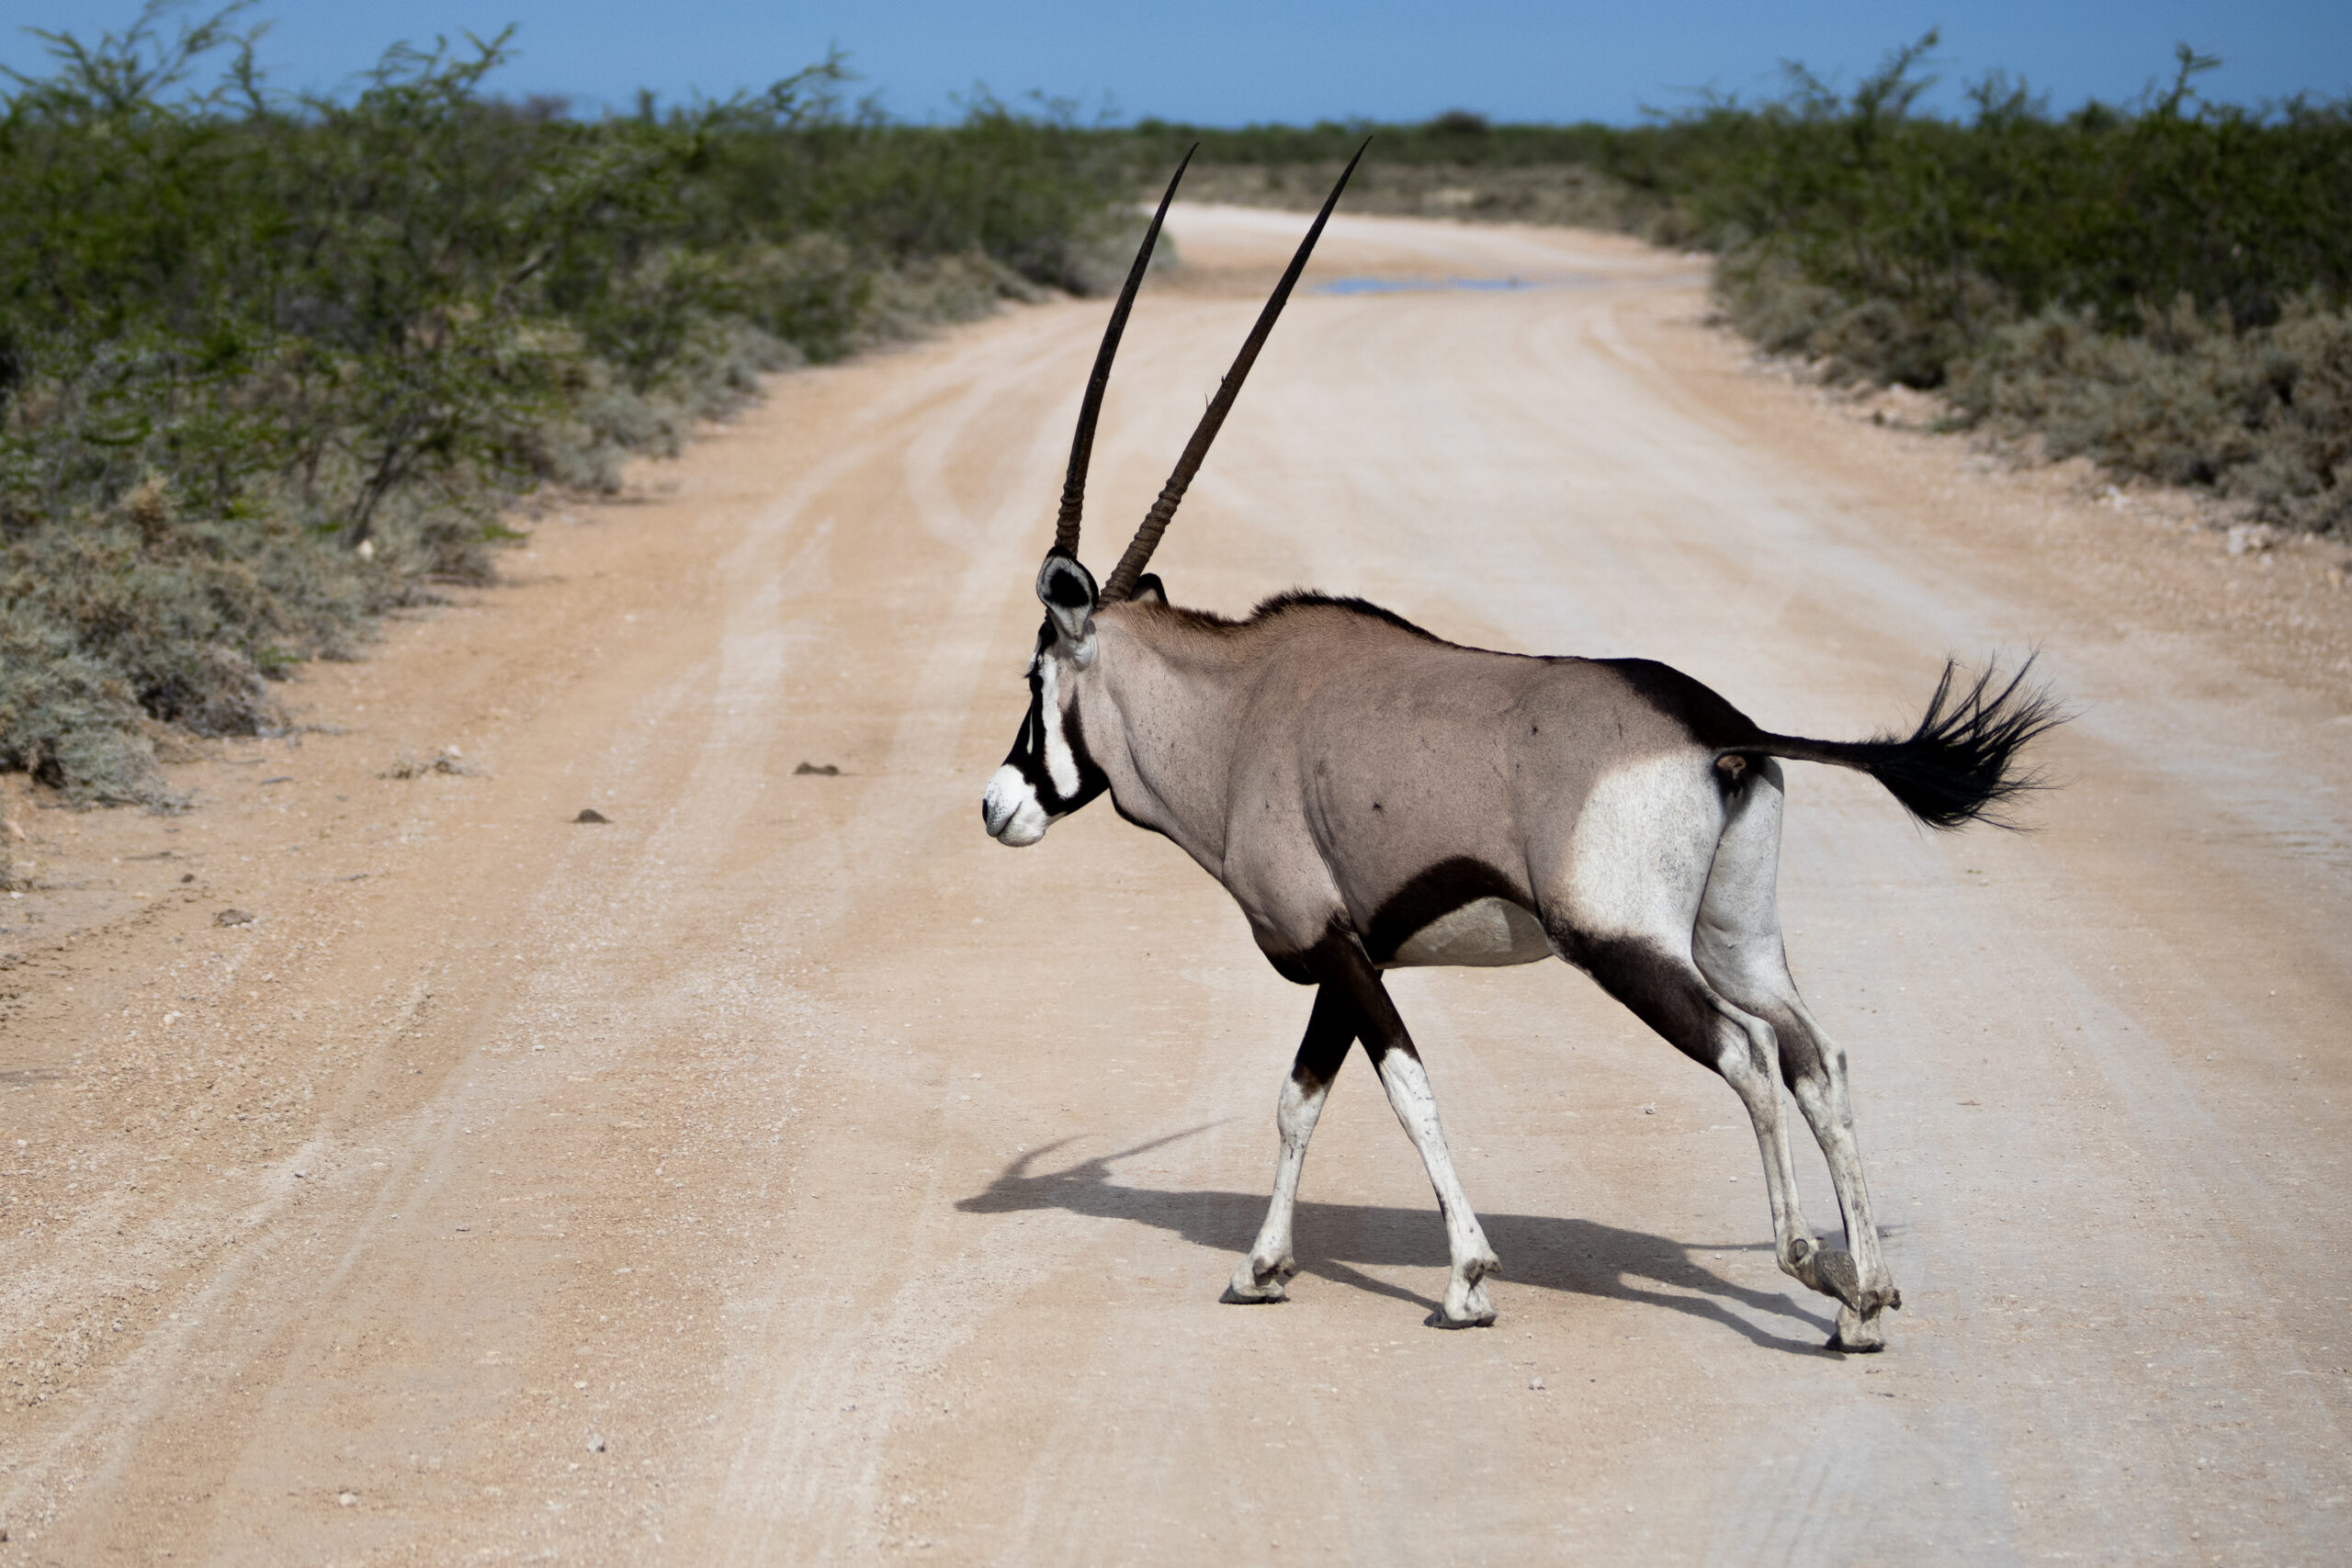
[(783, 1173)]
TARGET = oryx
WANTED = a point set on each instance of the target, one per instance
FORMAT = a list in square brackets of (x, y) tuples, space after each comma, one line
[(1374, 796)]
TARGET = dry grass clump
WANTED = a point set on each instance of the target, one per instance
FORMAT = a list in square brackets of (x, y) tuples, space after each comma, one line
[(2261, 414)]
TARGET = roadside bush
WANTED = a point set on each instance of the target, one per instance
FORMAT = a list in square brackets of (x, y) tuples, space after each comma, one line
[(1965, 226), (2264, 415), (271, 365), (2161, 289)]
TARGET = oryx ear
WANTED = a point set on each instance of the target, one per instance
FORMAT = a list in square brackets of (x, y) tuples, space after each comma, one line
[(1149, 589), (1068, 592)]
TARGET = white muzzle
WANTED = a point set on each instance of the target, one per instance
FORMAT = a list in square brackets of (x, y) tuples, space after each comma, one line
[(1011, 811)]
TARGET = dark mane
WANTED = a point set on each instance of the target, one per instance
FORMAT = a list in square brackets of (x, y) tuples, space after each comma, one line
[(1304, 597), (1280, 603)]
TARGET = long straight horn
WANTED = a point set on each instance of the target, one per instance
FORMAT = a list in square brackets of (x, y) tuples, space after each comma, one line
[(1081, 446), (1130, 568)]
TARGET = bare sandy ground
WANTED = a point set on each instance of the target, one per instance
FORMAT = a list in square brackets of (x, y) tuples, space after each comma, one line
[(783, 1173)]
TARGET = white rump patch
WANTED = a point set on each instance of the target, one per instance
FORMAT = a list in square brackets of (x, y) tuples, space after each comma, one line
[(1638, 859), (1485, 933)]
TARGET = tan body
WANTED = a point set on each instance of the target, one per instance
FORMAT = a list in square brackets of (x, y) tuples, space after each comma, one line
[(1352, 758)]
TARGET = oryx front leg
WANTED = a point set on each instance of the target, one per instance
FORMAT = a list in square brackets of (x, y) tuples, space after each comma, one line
[(1466, 1305), (1330, 1029), (1383, 1030)]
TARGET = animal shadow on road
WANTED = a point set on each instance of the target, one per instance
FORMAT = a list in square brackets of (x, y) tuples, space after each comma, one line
[(1578, 1257)]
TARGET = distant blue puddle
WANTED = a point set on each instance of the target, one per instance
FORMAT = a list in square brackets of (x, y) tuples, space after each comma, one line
[(1430, 285)]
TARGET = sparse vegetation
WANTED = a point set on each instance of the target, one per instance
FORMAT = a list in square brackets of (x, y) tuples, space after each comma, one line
[(2161, 287), (270, 366)]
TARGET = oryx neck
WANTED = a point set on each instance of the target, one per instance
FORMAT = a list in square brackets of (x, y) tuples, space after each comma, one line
[(1173, 689)]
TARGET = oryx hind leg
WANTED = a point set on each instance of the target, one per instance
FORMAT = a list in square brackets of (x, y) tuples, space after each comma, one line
[(1666, 989), (1623, 910), (1738, 947), (1330, 1029)]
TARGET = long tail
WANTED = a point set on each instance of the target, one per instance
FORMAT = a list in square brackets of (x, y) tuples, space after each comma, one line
[(1960, 764)]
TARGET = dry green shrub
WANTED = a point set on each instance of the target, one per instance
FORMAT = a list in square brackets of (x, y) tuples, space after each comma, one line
[(68, 719), (2264, 415), (911, 300), (137, 615)]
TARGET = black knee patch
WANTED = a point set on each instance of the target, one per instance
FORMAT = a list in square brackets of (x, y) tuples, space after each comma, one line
[(1330, 1029)]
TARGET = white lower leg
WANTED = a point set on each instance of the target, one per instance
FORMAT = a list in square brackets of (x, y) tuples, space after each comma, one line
[(1835, 1133), (1829, 1113), (1262, 1276), (1465, 1300), (1749, 1063)]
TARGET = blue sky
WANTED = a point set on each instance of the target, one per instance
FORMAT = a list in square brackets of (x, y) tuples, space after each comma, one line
[(1228, 61)]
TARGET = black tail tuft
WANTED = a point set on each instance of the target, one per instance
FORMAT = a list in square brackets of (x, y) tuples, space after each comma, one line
[(1960, 764)]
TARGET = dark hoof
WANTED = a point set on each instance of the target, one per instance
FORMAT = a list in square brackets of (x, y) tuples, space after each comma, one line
[(1438, 1320), (1234, 1297), (1857, 1333)]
